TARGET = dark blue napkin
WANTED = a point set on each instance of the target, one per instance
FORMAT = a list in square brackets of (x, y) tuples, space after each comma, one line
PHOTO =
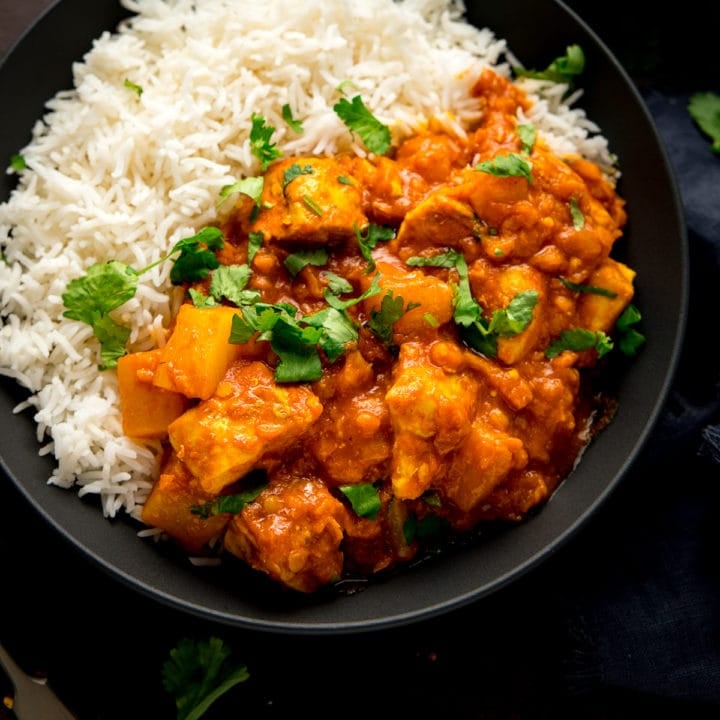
[(646, 612)]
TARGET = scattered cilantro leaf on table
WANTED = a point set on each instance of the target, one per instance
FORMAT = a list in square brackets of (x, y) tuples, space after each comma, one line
[(704, 108), (197, 673)]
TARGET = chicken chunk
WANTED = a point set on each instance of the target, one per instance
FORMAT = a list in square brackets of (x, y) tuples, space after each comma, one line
[(431, 412), (292, 532), (248, 418), (309, 200)]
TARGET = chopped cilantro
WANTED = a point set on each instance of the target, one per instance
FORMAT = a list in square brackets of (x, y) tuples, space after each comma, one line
[(578, 219), (260, 141), (562, 69), (364, 499), (312, 205), (368, 239), (232, 504), (297, 261), (106, 286), (704, 108), (294, 124), (579, 339), (630, 340), (358, 119), (527, 135), (510, 165), (391, 310), (255, 241), (345, 180), (250, 186), (336, 284), (197, 673), (17, 163), (295, 171), (137, 89), (229, 281), (591, 289), (199, 300)]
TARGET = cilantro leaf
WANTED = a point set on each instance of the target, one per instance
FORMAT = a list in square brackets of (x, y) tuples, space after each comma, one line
[(630, 340), (578, 218), (510, 165), (297, 261), (105, 287), (197, 673), (391, 310), (295, 171), (17, 162), (364, 499), (250, 186), (232, 504), (196, 257), (579, 339), (704, 108), (229, 281), (590, 289), (368, 239), (562, 69), (255, 241), (336, 284), (287, 115), (518, 314), (137, 89), (260, 141), (358, 119), (527, 134)]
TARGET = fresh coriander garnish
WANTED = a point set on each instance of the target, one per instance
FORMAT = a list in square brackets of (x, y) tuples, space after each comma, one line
[(364, 499), (381, 321), (108, 285), (562, 69), (297, 261), (261, 145), (358, 119), (591, 289), (578, 219), (255, 241), (579, 339), (230, 281), (197, 673), (232, 504), (368, 238), (336, 284), (293, 123), (630, 340), (295, 171), (528, 135), (476, 331), (250, 186), (137, 89), (704, 108), (17, 162), (510, 165)]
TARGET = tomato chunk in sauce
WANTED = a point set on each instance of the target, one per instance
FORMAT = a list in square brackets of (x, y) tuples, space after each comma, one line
[(390, 367)]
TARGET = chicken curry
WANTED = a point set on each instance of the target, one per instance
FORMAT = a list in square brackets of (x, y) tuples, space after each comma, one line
[(391, 347)]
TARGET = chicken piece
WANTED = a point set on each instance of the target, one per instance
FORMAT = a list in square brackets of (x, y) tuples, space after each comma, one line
[(495, 288), (292, 532), (431, 412), (169, 505), (599, 312), (485, 458), (248, 418), (432, 297), (309, 200), (440, 220)]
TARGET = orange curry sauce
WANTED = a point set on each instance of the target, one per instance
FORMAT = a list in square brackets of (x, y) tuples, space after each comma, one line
[(445, 435)]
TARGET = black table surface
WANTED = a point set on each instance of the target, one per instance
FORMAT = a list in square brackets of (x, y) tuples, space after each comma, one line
[(623, 620)]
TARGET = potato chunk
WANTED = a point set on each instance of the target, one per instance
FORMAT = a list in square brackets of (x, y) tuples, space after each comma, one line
[(249, 417), (292, 532), (309, 200)]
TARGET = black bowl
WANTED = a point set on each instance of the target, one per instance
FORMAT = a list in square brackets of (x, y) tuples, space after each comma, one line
[(654, 244)]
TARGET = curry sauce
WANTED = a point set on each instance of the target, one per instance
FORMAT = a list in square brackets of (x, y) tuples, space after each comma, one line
[(407, 353)]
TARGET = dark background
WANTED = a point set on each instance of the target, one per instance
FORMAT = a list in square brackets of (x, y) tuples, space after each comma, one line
[(623, 621)]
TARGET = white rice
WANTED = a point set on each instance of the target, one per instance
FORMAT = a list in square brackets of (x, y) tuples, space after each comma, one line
[(116, 175)]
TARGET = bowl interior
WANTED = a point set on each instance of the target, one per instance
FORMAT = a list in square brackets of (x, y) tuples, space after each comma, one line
[(654, 244)]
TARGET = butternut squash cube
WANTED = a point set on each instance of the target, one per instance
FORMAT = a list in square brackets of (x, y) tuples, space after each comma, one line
[(146, 410), (198, 352)]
